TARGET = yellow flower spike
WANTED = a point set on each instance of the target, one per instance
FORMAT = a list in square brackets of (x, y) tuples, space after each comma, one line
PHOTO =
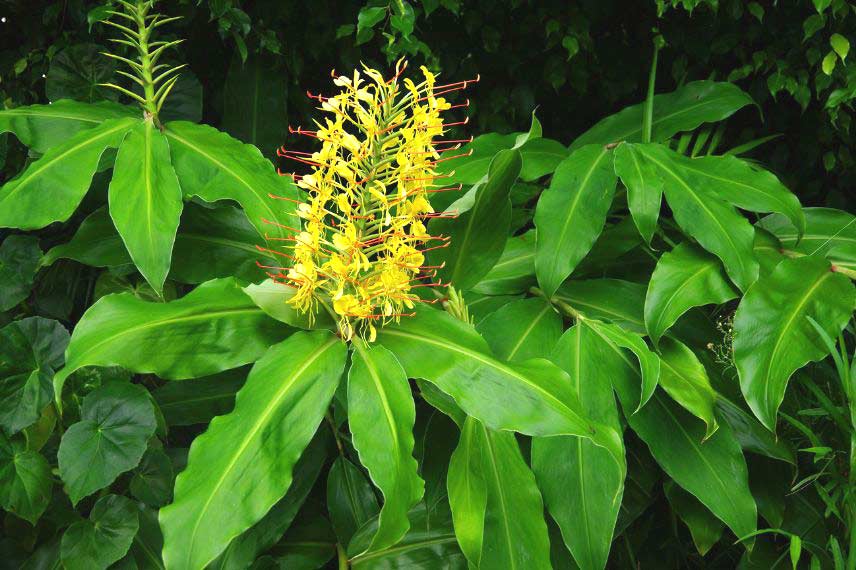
[(360, 248)]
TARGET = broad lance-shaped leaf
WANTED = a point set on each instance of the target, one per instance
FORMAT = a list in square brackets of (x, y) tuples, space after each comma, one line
[(829, 232), (116, 421), (41, 127), (50, 189), (582, 485), (214, 166), (25, 480), (495, 502), (145, 201), (644, 188), (532, 397), (515, 270), (243, 463), (477, 236), (614, 300), (522, 329), (215, 327), (684, 378), (381, 414), (702, 214), (681, 110), (773, 336), (714, 471), (570, 214), (351, 501), (684, 278)]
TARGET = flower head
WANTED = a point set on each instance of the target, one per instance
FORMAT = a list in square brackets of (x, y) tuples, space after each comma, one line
[(360, 248)]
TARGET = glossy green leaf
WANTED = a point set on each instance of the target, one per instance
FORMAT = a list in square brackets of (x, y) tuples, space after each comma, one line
[(19, 263), (772, 334), (215, 327), (684, 378), (30, 350), (702, 214), (684, 109), (41, 127), (582, 485), (644, 188), (751, 434), (515, 270), (272, 298), (197, 401), (116, 421), (25, 480), (684, 278), (531, 397), (612, 300), (829, 232), (145, 201), (153, 479), (50, 188), (571, 213), (490, 471), (102, 539), (96, 243), (522, 329), (351, 501), (214, 166), (705, 529), (477, 236), (381, 414), (243, 463)]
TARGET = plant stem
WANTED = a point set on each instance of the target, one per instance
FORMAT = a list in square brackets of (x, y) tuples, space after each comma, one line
[(343, 558)]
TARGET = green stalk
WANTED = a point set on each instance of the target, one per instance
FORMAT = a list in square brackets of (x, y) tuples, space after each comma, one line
[(648, 115)]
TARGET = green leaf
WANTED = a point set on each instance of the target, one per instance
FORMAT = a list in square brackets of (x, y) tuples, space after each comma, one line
[(522, 329), (148, 541), (705, 529), (145, 201), (684, 109), (254, 103), (102, 539), (644, 189), (351, 501), (714, 471), (19, 264), (612, 300), (477, 236), (488, 471), (684, 278), (153, 479), (42, 127), (751, 434), (829, 232), (25, 480), (116, 421), (828, 63), (187, 338), (96, 243), (571, 213), (717, 226), (840, 44), (772, 336), (272, 298), (197, 401), (684, 378), (243, 463), (214, 166), (582, 485), (30, 350), (50, 189), (515, 270), (381, 414), (76, 71), (531, 397)]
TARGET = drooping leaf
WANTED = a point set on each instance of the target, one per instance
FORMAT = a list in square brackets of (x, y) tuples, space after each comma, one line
[(582, 485), (829, 232), (145, 201), (684, 109), (215, 327), (477, 236), (381, 414), (25, 480), (772, 334), (197, 401), (752, 434), (30, 351), (102, 539), (705, 529), (76, 71), (41, 127), (255, 103), (685, 277), (612, 300), (522, 329), (684, 378), (351, 501), (468, 490), (644, 188), (50, 188), (515, 270), (19, 256), (214, 166), (243, 464), (704, 215), (531, 397), (116, 421), (571, 214)]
